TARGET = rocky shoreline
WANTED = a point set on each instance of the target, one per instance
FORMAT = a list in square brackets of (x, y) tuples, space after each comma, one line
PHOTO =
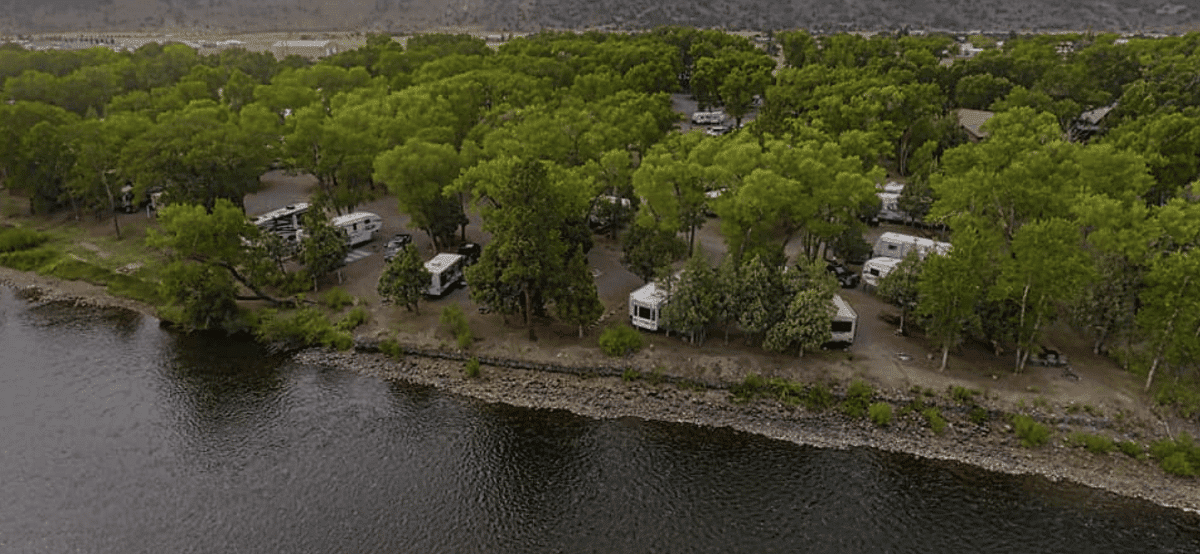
[(605, 394), (990, 447)]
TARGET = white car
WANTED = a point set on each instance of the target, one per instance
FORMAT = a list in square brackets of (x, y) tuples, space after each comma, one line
[(716, 131)]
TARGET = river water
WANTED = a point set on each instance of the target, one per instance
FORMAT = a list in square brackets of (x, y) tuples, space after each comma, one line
[(120, 437)]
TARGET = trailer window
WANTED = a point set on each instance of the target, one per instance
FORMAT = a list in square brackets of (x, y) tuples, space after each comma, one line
[(843, 326), (645, 313)]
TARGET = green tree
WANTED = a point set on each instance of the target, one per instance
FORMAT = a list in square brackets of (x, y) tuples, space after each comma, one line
[(1170, 314), (645, 250), (199, 297), (95, 174), (951, 287), (576, 300), (765, 297), (692, 304), (417, 174), (405, 279), (323, 248), (805, 325), (900, 286)]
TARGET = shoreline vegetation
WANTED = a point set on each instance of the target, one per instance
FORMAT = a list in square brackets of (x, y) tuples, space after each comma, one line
[(614, 390)]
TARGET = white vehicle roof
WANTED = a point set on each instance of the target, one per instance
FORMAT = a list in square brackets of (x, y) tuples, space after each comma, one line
[(883, 262), (290, 209), (352, 217), (440, 262), (893, 187), (929, 245), (649, 294), (844, 310)]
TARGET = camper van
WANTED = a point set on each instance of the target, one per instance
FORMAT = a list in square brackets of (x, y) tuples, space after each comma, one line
[(446, 271), (645, 307), (285, 221), (898, 245), (708, 118), (845, 322), (877, 268), (360, 227)]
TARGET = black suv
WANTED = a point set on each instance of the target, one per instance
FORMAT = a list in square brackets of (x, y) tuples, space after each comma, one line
[(395, 245), (846, 277)]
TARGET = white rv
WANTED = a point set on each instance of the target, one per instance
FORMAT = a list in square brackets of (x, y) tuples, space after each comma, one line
[(285, 221), (845, 322), (875, 269), (898, 245), (360, 227), (446, 271), (645, 308), (708, 118)]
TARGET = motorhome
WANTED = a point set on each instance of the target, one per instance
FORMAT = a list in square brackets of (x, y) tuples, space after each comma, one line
[(360, 227), (646, 303), (446, 271), (875, 269), (285, 221), (898, 245)]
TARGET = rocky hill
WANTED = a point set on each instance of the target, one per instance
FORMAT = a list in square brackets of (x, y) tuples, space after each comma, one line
[(403, 16)]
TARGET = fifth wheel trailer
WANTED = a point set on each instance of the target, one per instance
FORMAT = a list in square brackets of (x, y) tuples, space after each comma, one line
[(898, 245)]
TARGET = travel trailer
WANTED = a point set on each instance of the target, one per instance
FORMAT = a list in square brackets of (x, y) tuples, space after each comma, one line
[(360, 227), (898, 245), (877, 268), (285, 222), (446, 271), (645, 307), (845, 322)]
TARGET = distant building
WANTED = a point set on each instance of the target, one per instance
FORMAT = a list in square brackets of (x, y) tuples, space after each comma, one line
[(972, 121), (305, 48), (1088, 124)]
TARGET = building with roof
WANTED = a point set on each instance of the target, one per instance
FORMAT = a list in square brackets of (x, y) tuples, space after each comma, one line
[(972, 121)]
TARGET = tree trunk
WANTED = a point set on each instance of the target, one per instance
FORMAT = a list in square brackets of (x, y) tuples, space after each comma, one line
[(1153, 366), (945, 355)]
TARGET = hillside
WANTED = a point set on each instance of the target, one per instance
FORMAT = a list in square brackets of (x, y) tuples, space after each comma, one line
[(402, 16)]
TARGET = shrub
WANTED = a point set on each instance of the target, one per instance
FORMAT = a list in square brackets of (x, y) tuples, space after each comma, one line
[(28, 260), (978, 415), (788, 392), (881, 413), (336, 298), (818, 398), (621, 340), (748, 388), (858, 398), (390, 348), (937, 423), (454, 318), (1178, 456), (1095, 444), (353, 319), (630, 374), (1183, 396), (472, 368), (1131, 449), (1030, 431), (13, 239), (306, 326)]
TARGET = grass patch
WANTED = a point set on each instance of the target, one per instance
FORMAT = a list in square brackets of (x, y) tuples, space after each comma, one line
[(133, 288), (454, 318), (15, 239), (1131, 449), (963, 395), (1095, 444), (391, 348), (630, 375), (336, 298), (880, 413), (818, 398), (1031, 433), (621, 340)]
